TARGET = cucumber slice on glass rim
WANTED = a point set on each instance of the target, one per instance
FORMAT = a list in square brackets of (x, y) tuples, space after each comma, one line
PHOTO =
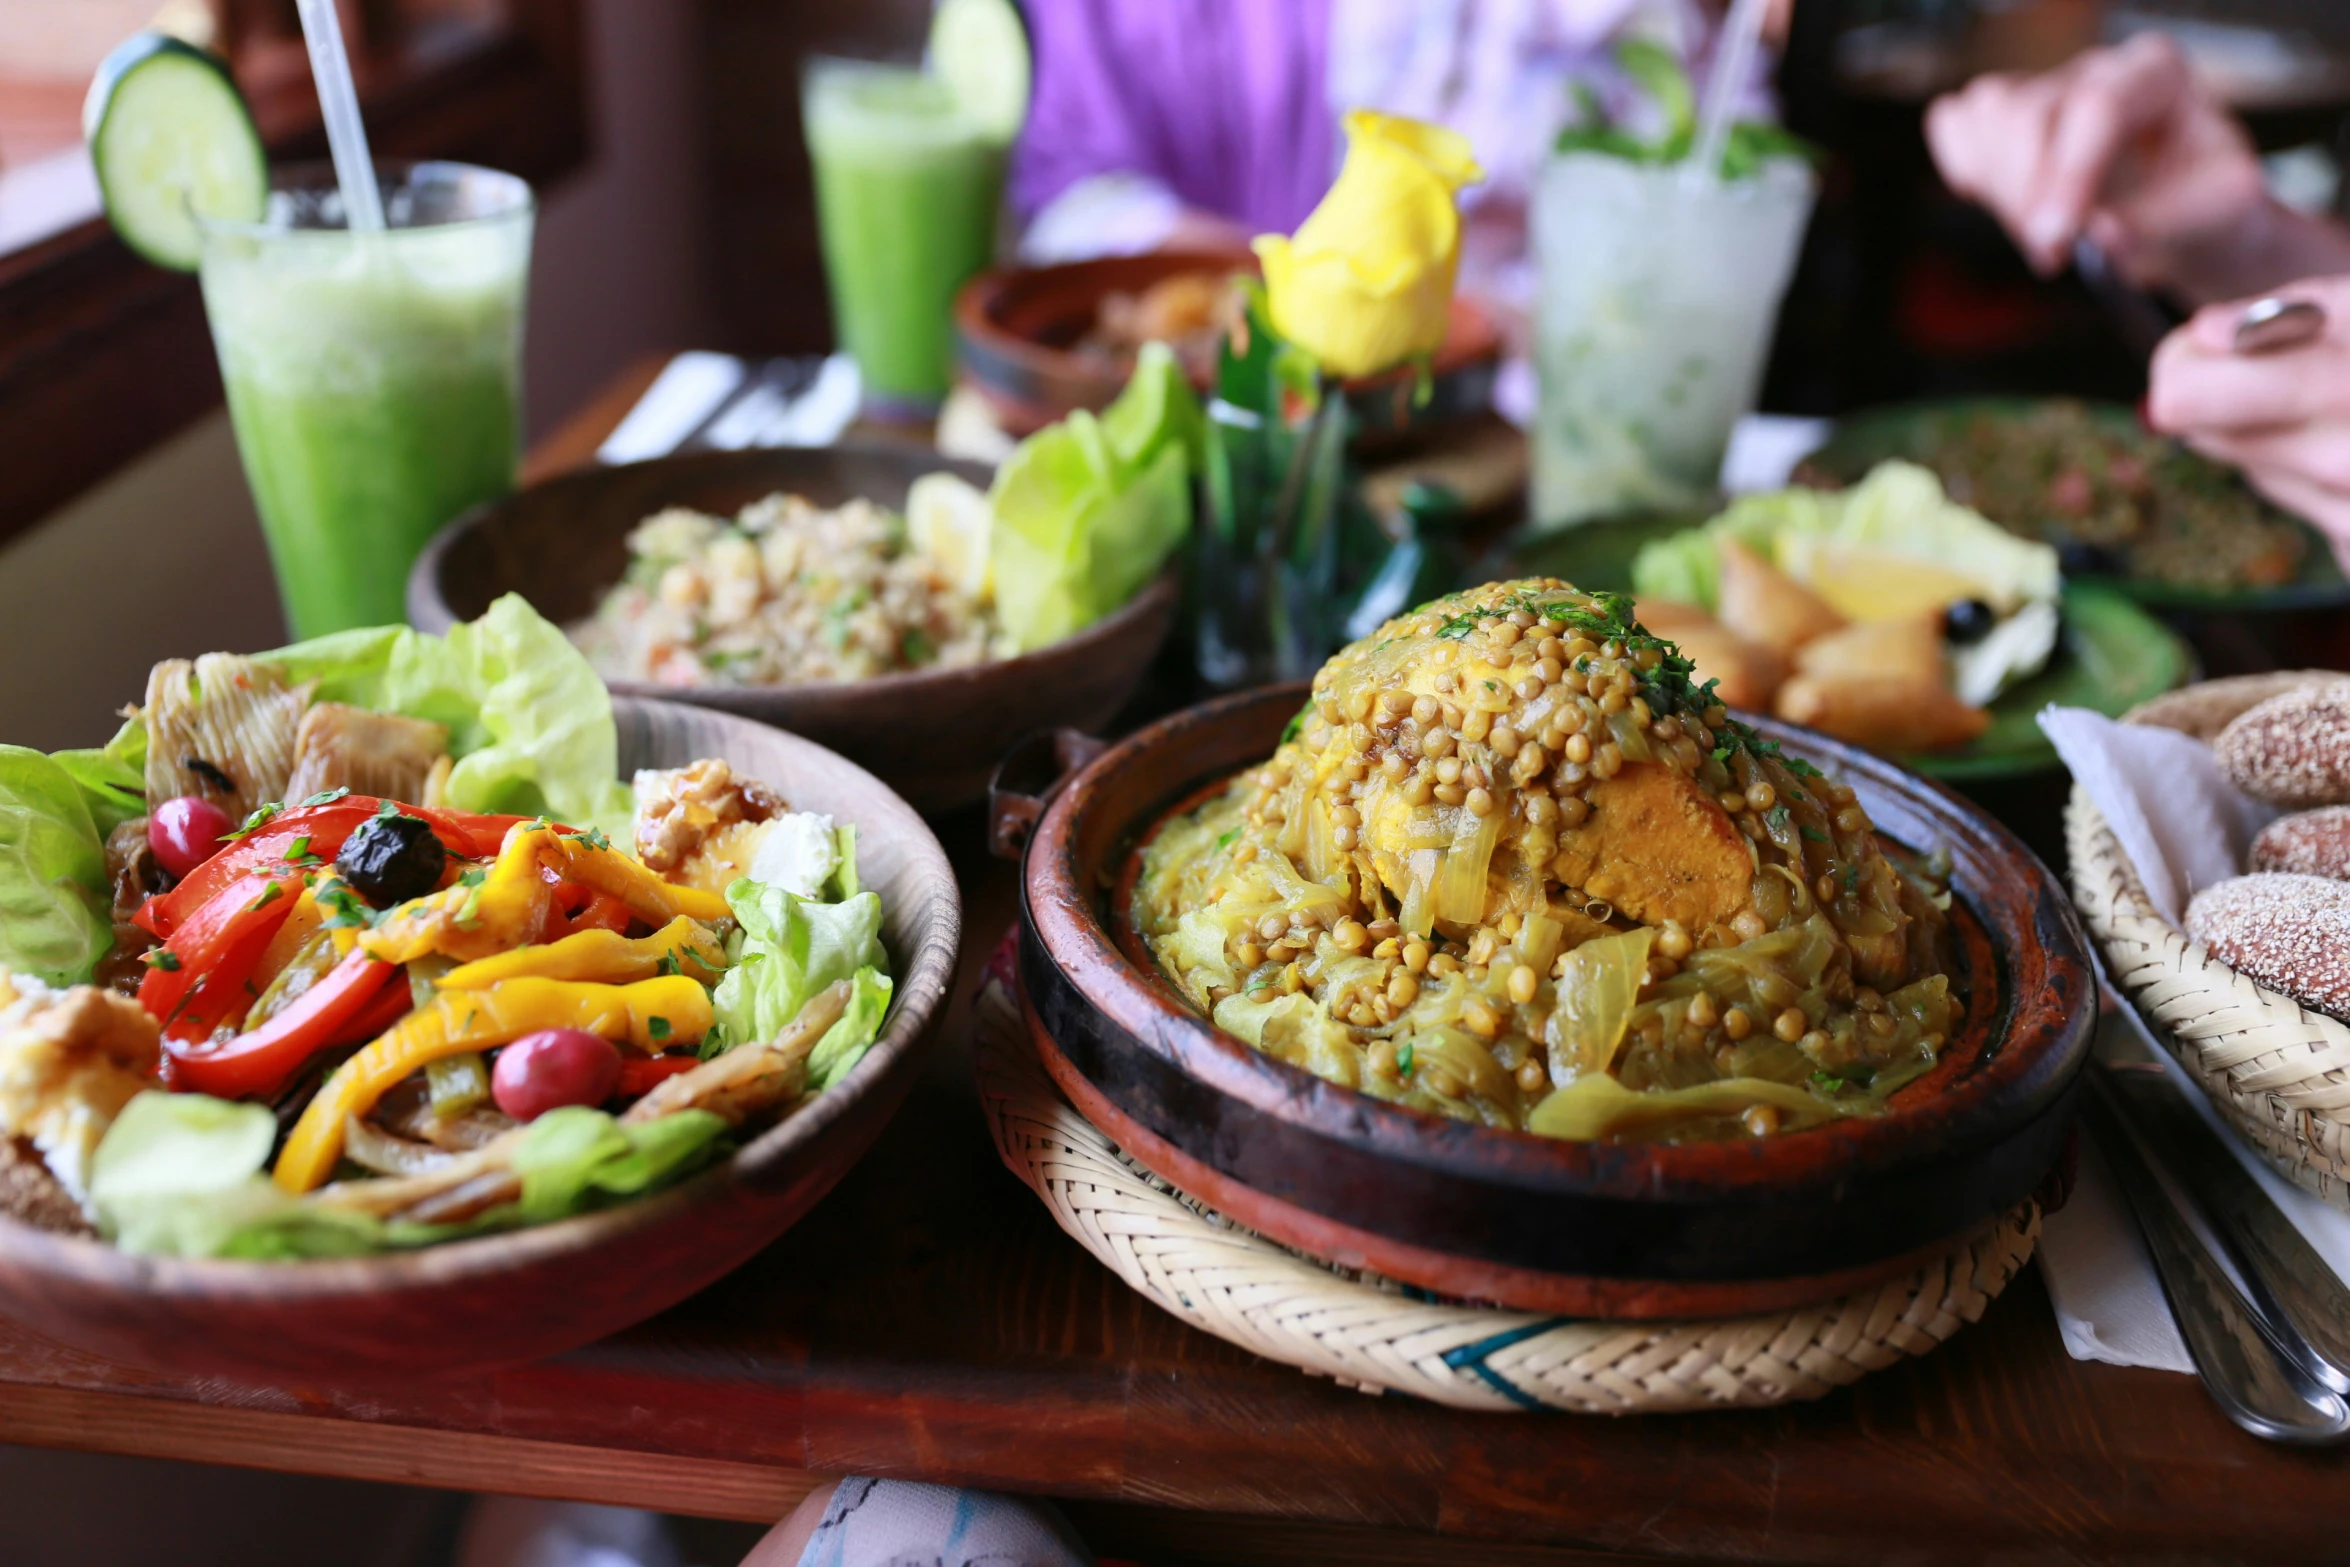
[(171, 137), (980, 50)]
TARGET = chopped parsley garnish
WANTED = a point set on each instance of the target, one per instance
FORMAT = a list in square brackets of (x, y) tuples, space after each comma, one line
[(915, 647), (1852, 1074), (668, 964), (326, 797), (344, 909), (259, 815), (269, 895), (388, 810), (298, 852), (1812, 833), (163, 958), (594, 838), (1296, 723), (1224, 840), (1777, 817), (657, 1029), (1403, 1059)]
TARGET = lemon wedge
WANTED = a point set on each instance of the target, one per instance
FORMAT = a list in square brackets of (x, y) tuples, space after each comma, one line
[(1863, 584), (949, 521)]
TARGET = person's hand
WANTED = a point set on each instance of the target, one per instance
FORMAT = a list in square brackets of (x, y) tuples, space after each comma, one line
[(2122, 145), (2283, 417)]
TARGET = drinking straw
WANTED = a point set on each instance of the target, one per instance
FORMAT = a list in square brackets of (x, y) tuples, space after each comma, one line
[(338, 104), (1733, 58)]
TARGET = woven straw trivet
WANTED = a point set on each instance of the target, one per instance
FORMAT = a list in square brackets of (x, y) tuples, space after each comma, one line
[(2279, 1072), (1372, 1333)]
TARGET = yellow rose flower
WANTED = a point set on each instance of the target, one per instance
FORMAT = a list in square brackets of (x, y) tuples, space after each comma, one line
[(1366, 282)]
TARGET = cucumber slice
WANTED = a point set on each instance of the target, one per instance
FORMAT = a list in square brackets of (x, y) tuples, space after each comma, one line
[(171, 137), (980, 50)]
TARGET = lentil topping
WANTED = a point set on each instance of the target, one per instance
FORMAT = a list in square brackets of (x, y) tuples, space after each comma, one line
[(1511, 865)]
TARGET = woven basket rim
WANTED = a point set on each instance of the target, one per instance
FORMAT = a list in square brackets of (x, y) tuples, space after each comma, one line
[(1375, 1335), (2278, 1069)]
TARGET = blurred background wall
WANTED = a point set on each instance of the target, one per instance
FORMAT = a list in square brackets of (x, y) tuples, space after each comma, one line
[(621, 268)]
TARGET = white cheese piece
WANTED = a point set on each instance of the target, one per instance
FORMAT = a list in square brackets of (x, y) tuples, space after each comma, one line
[(798, 852)]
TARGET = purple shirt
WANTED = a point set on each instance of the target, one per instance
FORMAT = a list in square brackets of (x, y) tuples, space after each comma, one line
[(1220, 100)]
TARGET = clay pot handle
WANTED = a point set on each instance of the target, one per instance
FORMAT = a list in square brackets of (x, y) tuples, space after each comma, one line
[(1026, 780)]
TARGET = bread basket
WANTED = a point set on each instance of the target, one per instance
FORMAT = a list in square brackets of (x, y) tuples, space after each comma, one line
[(2277, 1070)]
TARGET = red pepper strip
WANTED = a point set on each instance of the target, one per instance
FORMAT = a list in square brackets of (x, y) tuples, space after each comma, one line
[(468, 834), (257, 1064), (216, 949), (638, 1074), (265, 849), (576, 908)]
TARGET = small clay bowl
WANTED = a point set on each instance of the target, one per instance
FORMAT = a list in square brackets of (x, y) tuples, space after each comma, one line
[(1588, 1229), (1016, 331), (532, 1293), (930, 734)]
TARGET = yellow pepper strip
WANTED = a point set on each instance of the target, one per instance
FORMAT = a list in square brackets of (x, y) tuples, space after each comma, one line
[(646, 895), (507, 909), (604, 956), (652, 1014)]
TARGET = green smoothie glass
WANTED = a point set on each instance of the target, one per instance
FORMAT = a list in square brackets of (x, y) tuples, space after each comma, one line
[(907, 185), (374, 379)]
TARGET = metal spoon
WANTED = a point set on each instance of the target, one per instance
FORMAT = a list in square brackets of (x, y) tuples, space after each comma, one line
[(2288, 1279), (2255, 1381)]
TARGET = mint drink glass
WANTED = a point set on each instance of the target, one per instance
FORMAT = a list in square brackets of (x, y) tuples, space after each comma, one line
[(1659, 293), (374, 379)]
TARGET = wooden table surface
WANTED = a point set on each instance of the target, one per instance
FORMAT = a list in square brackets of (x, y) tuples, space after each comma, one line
[(927, 1320)]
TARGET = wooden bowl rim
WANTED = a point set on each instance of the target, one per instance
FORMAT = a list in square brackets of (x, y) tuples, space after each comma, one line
[(429, 610), (2036, 1045), (926, 985)]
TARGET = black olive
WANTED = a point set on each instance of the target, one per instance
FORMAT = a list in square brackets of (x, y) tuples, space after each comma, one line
[(391, 859), (2079, 559), (1968, 620)]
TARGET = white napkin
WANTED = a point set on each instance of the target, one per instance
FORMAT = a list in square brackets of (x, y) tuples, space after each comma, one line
[(2183, 827), (2109, 1304), (2180, 821)]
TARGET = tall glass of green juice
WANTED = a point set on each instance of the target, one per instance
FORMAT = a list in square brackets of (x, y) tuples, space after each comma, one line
[(374, 379), (907, 186)]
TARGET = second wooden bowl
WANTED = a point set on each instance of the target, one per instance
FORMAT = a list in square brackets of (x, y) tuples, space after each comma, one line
[(930, 734), (1589, 1229), (521, 1296)]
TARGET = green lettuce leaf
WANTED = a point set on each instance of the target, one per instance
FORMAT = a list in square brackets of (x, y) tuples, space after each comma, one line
[(178, 1175), (529, 722), (54, 901), (790, 948), (113, 777), (1086, 511), (181, 1175), (845, 884), (845, 1043), (576, 1158)]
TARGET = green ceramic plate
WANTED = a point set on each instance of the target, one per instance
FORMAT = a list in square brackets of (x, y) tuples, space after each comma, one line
[(2112, 657), (1913, 430)]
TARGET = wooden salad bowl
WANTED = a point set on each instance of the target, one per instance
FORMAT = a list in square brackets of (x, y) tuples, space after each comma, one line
[(501, 1299), (930, 734), (1589, 1229)]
